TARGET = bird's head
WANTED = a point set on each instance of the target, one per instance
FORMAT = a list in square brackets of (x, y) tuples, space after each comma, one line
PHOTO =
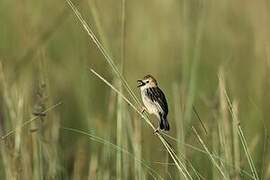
[(147, 82)]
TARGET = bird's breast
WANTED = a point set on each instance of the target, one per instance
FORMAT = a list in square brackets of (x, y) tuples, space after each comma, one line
[(148, 103)]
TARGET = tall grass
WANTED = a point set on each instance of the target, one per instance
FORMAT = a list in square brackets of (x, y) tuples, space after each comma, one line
[(70, 109)]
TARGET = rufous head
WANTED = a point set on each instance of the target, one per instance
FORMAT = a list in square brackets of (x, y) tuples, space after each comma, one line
[(147, 82)]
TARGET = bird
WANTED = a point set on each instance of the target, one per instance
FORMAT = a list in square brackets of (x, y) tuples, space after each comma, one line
[(154, 101)]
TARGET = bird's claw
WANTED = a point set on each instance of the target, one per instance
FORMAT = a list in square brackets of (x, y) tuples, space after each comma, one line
[(156, 131), (143, 110)]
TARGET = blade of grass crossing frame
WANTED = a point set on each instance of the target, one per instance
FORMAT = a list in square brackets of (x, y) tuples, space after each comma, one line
[(103, 51), (242, 139), (210, 155)]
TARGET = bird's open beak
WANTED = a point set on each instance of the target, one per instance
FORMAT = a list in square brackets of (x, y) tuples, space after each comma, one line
[(140, 83)]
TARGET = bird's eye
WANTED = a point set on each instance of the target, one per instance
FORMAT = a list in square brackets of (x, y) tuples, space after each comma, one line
[(147, 81)]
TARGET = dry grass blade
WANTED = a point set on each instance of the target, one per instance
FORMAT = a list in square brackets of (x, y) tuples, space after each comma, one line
[(29, 121), (103, 51), (209, 153), (250, 161), (200, 120), (236, 146), (242, 172), (181, 167), (119, 127), (224, 122), (179, 123), (242, 139), (114, 146), (119, 133)]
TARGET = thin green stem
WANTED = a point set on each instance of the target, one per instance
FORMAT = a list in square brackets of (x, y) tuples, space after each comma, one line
[(114, 146), (242, 139), (103, 51), (209, 153)]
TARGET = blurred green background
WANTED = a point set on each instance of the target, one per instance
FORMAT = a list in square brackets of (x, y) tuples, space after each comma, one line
[(45, 54)]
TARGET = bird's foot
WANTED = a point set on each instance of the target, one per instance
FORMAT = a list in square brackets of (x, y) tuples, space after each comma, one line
[(157, 130), (143, 110)]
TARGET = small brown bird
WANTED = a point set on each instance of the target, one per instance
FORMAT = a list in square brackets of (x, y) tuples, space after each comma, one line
[(154, 100)]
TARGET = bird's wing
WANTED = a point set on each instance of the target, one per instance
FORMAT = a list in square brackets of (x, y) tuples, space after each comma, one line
[(156, 95)]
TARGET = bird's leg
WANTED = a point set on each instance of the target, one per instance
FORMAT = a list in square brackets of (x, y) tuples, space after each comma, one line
[(157, 130), (143, 110)]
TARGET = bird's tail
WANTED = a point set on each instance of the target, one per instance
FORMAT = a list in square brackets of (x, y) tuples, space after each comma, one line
[(164, 124)]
